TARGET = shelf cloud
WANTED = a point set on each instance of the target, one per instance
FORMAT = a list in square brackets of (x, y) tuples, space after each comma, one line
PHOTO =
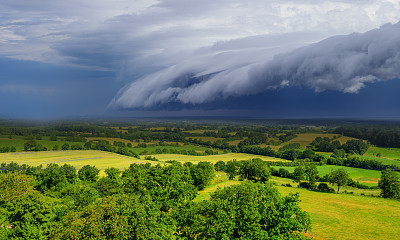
[(249, 66)]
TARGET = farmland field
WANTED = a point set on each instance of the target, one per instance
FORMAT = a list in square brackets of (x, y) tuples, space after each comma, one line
[(78, 158), (391, 153), (18, 142), (206, 139), (306, 139)]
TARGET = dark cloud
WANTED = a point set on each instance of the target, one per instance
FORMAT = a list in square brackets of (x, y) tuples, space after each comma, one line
[(343, 63)]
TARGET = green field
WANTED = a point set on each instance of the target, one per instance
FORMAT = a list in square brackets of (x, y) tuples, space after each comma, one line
[(390, 153), (18, 142), (339, 216), (364, 176), (179, 148)]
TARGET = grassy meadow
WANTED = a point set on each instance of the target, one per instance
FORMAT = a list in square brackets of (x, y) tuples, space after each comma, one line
[(364, 176)]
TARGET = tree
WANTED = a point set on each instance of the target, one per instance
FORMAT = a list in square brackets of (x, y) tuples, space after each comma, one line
[(88, 173), (255, 170), (339, 177), (355, 146), (298, 174), (231, 168), (245, 211), (30, 145), (202, 174), (389, 184), (65, 146), (220, 166), (311, 173), (113, 173)]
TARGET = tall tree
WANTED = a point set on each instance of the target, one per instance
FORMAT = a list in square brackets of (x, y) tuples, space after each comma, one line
[(339, 177), (389, 184)]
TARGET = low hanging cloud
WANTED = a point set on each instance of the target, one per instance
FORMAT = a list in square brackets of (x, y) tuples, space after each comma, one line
[(249, 66)]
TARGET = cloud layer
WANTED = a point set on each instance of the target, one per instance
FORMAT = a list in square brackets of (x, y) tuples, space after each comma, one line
[(344, 63)]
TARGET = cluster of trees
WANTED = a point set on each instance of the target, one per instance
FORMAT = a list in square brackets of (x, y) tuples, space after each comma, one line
[(141, 202), (7, 149), (329, 145), (383, 136)]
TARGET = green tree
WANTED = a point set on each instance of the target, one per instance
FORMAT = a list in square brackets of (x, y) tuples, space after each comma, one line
[(255, 170), (30, 145), (311, 173), (65, 146), (298, 173), (244, 211), (113, 173), (220, 166), (231, 168), (202, 174), (88, 173), (339, 177), (389, 184)]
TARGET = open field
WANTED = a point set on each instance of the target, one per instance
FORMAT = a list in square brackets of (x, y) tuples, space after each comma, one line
[(344, 139), (18, 142), (206, 139), (112, 140), (212, 158), (306, 139), (365, 176), (200, 131), (339, 216), (78, 158), (179, 148), (390, 153)]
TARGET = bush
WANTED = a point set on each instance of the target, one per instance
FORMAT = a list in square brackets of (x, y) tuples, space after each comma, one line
[(306, 185), (323, 187)]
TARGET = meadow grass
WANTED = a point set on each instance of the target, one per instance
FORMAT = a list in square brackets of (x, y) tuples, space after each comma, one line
[(212, 158), (206, 139), (364, 176), (305, 139), (390, 153), (343, 216), (179, 148), (198, 131)]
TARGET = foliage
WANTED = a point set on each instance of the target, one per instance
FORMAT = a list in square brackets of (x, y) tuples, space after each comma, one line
[(202, 174), (339, 177), (389, 184), (88, 173), (245, 211), (355, 146), (255, 170)]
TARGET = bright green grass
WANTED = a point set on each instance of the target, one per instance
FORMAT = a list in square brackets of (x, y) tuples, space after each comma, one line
[(78, 158), (364, 176), (339, 216), (212, 158)]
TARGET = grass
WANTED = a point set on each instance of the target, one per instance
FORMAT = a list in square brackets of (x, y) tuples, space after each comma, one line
[(339, 216), (364, 176), (78, 158), (184, 147), (212, 158), (342, 216), (206, 139), (198, 131), (390, 153), (18, 142)]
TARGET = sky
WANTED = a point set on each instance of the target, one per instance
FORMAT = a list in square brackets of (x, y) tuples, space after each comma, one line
[(255, 58)]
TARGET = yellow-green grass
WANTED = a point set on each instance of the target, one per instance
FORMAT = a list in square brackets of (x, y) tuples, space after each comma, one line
[(198, 131), (111, 140), (78, 158), (206, 139), (343, 216), (212, 158), (179, 148), (338, 216), (305, 139), (364, 176), (234, 142), (344, 139)]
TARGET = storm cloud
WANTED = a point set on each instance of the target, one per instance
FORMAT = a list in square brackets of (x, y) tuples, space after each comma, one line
[(343, 63)]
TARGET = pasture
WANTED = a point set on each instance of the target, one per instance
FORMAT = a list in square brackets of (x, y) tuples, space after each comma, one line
[(18, 142), (364, 176)]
